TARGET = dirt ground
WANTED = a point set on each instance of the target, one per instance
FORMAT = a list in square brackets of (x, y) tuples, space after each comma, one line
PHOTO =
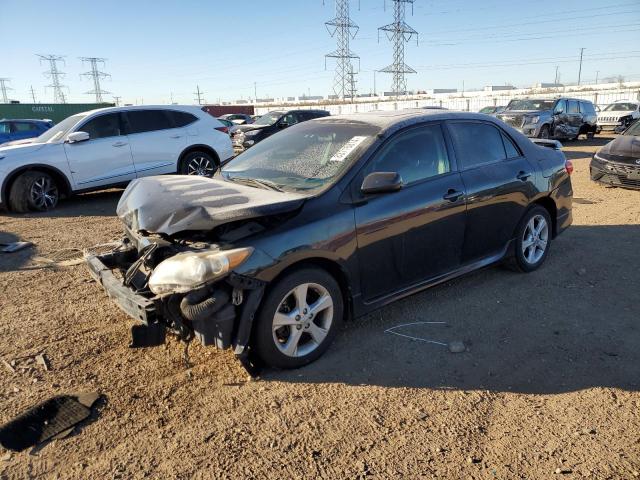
[(550, 381)]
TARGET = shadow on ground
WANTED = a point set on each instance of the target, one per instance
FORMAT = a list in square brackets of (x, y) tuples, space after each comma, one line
[(573, 149), (15, 260), (573, 324)]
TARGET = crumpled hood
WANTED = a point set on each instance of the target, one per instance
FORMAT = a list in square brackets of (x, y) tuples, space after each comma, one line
[(246, 128), (624, 149), (174, 203)]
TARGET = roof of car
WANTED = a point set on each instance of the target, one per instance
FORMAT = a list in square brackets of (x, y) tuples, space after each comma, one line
[(188, 108)]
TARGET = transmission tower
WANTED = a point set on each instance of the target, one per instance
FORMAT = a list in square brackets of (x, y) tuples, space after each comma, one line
[(343, 29), (55, 75), (96, 75), (399, 33), (4, 89)]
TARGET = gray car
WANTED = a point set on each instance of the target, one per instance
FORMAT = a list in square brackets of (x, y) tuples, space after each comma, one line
[(562, 118)]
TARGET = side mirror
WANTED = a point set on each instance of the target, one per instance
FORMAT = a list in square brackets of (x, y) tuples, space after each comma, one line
[(558, 111), (381, 182), (77, 137)]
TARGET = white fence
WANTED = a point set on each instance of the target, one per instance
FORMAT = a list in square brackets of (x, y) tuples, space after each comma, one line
[(469, 101)]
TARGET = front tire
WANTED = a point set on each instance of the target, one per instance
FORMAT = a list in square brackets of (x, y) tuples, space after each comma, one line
[(298, 319), (198, 163), (533, 240), (544, 132), (33, 191)]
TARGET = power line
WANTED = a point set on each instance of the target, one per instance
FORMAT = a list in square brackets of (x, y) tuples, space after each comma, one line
[(399, 33), (96, 75), (343, 29), (4, 89), (55, 75)]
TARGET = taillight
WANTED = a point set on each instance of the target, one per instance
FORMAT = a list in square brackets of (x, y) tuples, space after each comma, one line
[(223, 129), (568, 167)]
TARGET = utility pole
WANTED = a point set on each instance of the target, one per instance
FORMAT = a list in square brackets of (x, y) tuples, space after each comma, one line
[(33, 95), (399, 33), (96, 75), (55, 75), (255, 92), (580, 70), (375, 94), (597, 74), (198, 94), (4, 89), (116, 99), (555, 80), (344, 30)]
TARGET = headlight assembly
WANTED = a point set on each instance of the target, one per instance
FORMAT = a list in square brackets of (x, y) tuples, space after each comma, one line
[(187, 271), (534, 119)]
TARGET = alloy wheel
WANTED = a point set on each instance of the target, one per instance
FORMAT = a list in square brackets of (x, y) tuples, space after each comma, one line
[(535, 239), (200, 166), (44, 193), (302, 320)]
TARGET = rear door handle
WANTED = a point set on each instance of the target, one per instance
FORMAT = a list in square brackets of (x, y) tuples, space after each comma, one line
[(524, 176), (452, 195), (120, 144)]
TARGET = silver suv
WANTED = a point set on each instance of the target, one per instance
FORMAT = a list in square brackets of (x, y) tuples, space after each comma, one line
[(563, 118)]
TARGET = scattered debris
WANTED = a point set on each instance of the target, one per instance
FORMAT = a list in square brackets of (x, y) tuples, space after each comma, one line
[(42, 360), (563, 471), (473, 460), (392, 330), (6, 457), (8, 365), (14, 247), (52, 418), (457, 346)]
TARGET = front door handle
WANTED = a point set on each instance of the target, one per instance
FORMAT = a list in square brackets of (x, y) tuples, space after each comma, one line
[(176, 136), (523, 176), (120, 144), (452, 195)]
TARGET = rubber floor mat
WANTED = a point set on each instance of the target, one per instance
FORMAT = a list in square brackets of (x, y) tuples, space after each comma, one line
[(46, 420)]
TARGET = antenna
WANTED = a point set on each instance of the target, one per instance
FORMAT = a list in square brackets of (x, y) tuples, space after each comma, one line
[(55, 75), (343, 29), (399, 33), (96, 75), (4, 89)]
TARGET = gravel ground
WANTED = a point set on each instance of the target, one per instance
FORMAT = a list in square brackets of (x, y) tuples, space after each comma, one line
[(547, 388)]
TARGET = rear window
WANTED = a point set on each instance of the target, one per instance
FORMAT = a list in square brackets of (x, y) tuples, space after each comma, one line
[(477, 143), (572, 106), (25, 127), (587, 107), (141, 121), (181, 119)]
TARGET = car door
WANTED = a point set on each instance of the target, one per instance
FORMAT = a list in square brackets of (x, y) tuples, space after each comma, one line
[(103, 159), (574, 118), (499, 182), (416, 233), (156, 143)]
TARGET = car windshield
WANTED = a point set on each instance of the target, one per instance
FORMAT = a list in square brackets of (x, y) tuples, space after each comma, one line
[(268, 119), (634, 129), (530, 104), (620, 107), (308, 156), (60, 130)]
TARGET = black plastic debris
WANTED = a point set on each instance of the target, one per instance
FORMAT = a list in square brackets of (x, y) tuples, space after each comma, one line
[(13, 247), (47, 420)]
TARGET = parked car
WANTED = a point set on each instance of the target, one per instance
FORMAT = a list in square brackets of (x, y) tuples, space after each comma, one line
[(492, 110), (237, 118), (562, 118), (107, 147), (228, 124), (247, 136), (328, 220), (17, 130), (618, 162), (619, 115)]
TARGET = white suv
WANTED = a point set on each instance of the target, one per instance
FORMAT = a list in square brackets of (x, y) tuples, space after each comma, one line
[(109, 147)]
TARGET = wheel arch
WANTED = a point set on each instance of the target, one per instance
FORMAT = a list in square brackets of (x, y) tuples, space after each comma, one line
[(198, 148), (550, 206), (60, 178)]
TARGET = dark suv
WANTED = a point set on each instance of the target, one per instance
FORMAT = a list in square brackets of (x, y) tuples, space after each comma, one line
[(563, 118), (246, 136)]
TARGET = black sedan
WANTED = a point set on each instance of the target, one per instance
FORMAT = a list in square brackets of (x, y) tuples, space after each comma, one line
[(618, 162), (329, 220)]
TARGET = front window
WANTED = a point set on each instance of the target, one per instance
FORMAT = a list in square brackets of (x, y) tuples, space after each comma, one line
[(621, 107), (634, 129), (308, 157), (268, 119), (59, 131), (530, 104)]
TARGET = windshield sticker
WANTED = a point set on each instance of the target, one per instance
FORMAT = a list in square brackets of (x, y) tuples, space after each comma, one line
[(347, 148)]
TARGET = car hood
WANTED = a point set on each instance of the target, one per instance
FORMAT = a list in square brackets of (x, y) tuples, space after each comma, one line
[(624, 149), (21, 149), (508, 113), (174, 203), (616, 113), (247, 127)]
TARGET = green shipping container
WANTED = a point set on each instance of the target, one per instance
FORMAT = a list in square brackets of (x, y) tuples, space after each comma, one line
[(49, 111)]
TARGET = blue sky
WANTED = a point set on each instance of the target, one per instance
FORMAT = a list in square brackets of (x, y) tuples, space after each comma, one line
[(158, 48)]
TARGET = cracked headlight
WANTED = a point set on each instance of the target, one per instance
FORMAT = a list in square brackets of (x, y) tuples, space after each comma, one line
[(186, 271)]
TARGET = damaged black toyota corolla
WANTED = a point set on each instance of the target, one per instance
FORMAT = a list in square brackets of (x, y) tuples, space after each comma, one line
[(331, 218)]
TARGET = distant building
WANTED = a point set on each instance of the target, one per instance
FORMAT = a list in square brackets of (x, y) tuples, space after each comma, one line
[(242, 102), (442, 90), (264, 100), (498, 88), (548, 85)]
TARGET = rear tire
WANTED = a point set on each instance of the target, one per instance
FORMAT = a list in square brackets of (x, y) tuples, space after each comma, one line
[(533, 240), (198, 163), (33, 191), (298, 319)]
